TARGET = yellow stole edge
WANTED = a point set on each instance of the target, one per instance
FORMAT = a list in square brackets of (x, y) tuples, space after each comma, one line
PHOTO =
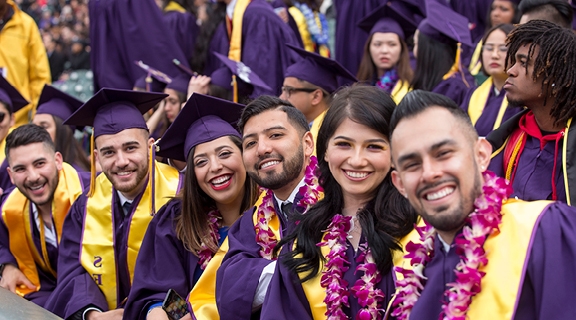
[(235, 51), (16, 216), (475, 62), (478, 102), (174, 6), (316, 127), (313, 290), (97, 252), (564, 164), (401, 88), (202, 298)]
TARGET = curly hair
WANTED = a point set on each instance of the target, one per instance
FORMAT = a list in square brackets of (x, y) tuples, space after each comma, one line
[(555, 62)]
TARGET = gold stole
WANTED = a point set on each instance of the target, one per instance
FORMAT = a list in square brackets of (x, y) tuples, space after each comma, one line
[(202, 298), (97, 253), (315, 127), (174, 6), (399, 91), (478, 101), (235, 33), (18, 220), (507, 251), (476, 63)]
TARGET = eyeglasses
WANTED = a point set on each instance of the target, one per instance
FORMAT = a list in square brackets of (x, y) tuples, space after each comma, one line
[(491, 48), (289, 90)]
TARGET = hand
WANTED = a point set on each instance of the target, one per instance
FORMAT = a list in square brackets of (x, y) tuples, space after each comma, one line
[(198, 84), (157, 314), (108, 315), (12, 277), (188, 316), (282, 13)]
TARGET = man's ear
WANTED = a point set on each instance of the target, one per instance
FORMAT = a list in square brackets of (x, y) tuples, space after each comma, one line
[(483, 153), (308, 142), (397, 181), (58, 159)]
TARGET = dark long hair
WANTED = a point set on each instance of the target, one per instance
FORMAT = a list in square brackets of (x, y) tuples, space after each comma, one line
[(192, 226), (434, 59), (367, 70), (216, 13), (504, 27), (384, 219), (68, 146), (515, 18)]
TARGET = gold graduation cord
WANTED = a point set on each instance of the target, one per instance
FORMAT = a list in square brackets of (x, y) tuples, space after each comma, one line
[(456, 66), (514, 156), (564, 164), (478, 102)]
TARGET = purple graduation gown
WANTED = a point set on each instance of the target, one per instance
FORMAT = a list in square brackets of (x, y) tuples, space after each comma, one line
[(237, 277), (47, 281), (76, 288), (160, 247), (264, 50), (486, 121), (350, 39), (124, 31), (286, 299), (5, 182), (185, 30), (533, 178), (454, 87), (548, 288)]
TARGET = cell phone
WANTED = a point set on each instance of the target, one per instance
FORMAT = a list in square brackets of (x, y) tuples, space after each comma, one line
[(174, 305)]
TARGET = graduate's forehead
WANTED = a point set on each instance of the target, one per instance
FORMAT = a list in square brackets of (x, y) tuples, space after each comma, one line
[(421, 132)]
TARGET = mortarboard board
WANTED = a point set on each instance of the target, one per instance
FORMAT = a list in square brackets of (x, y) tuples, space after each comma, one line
[(10, 96), (57, 103), (394, 16), (154, 80), (247, 79), (203, 118), (319, 71), (179, 83), (110, 111), (445, 25)]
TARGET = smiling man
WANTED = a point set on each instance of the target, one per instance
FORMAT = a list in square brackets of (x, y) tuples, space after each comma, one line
[(35, 210), (276, 147), (483, 253), (535, 149), (105, 227)]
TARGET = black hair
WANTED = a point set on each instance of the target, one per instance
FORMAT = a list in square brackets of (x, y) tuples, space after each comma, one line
[(417, 101), (556, 11), (28, 134), (265, 103), (515, 18), (504, 27), (384, 219), (434, 60), (216, 13), (555, 63)]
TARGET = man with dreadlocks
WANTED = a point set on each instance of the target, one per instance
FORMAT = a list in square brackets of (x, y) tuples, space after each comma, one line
[(536, 149)]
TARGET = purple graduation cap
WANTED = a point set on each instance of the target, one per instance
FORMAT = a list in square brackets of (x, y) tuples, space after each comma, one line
[(179, 83), (110, 111), (203, 119), (395, 16), (57, 103), (13, 100), (319, 71), (154, 80), (245, 77), (445, 25)]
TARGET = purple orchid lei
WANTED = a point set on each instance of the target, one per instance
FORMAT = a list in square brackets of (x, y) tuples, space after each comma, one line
[(337, 293), (310, 193), (205, 254), (483, 222)]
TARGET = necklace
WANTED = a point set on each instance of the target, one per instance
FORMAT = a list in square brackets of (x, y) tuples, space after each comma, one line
[(205, 254), (364, 289), (480, 224), (309, 193)]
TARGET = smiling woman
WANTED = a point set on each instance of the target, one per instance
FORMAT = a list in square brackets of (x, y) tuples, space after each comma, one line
[(355, 229), (187, 233)]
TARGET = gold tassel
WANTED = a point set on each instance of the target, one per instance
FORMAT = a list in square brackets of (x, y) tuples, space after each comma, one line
[(150, 185), (92, 166), (235, 88)]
